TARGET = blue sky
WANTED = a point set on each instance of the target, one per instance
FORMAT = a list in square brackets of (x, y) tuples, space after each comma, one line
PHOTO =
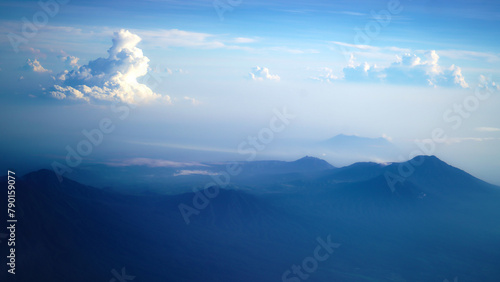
[(369, 68)]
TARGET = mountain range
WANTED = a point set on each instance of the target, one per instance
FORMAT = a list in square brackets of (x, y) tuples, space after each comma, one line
[(420, 220)]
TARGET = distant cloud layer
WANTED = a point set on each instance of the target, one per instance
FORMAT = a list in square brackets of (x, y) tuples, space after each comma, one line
[(109, 79), (262, 73), (408, 69)]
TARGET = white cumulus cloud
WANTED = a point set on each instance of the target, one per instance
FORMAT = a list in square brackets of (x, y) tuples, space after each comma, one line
[(110, 79), (262, 73), (34, 66), (324, 75), (70, 60)]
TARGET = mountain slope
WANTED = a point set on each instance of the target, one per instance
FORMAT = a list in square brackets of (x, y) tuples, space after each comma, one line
[(72, 232)]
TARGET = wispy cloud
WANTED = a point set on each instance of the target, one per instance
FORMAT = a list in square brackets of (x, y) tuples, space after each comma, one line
[(244, 40), (456, 140), (371, 47), (33, 51), (295, 51), (152, 163), (470, 55), (487, 129), (355, 46), (184, 146), (349, 13), (194, 172), (192, 100), (385, 54), (180, 38), (199, 40)]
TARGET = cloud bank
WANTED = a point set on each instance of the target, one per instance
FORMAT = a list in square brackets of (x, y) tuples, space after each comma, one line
[(408, 69), (109, 79)]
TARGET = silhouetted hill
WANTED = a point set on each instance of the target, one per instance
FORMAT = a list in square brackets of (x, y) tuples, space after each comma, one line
[(436, 176), (311, 163), (304, 165)]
